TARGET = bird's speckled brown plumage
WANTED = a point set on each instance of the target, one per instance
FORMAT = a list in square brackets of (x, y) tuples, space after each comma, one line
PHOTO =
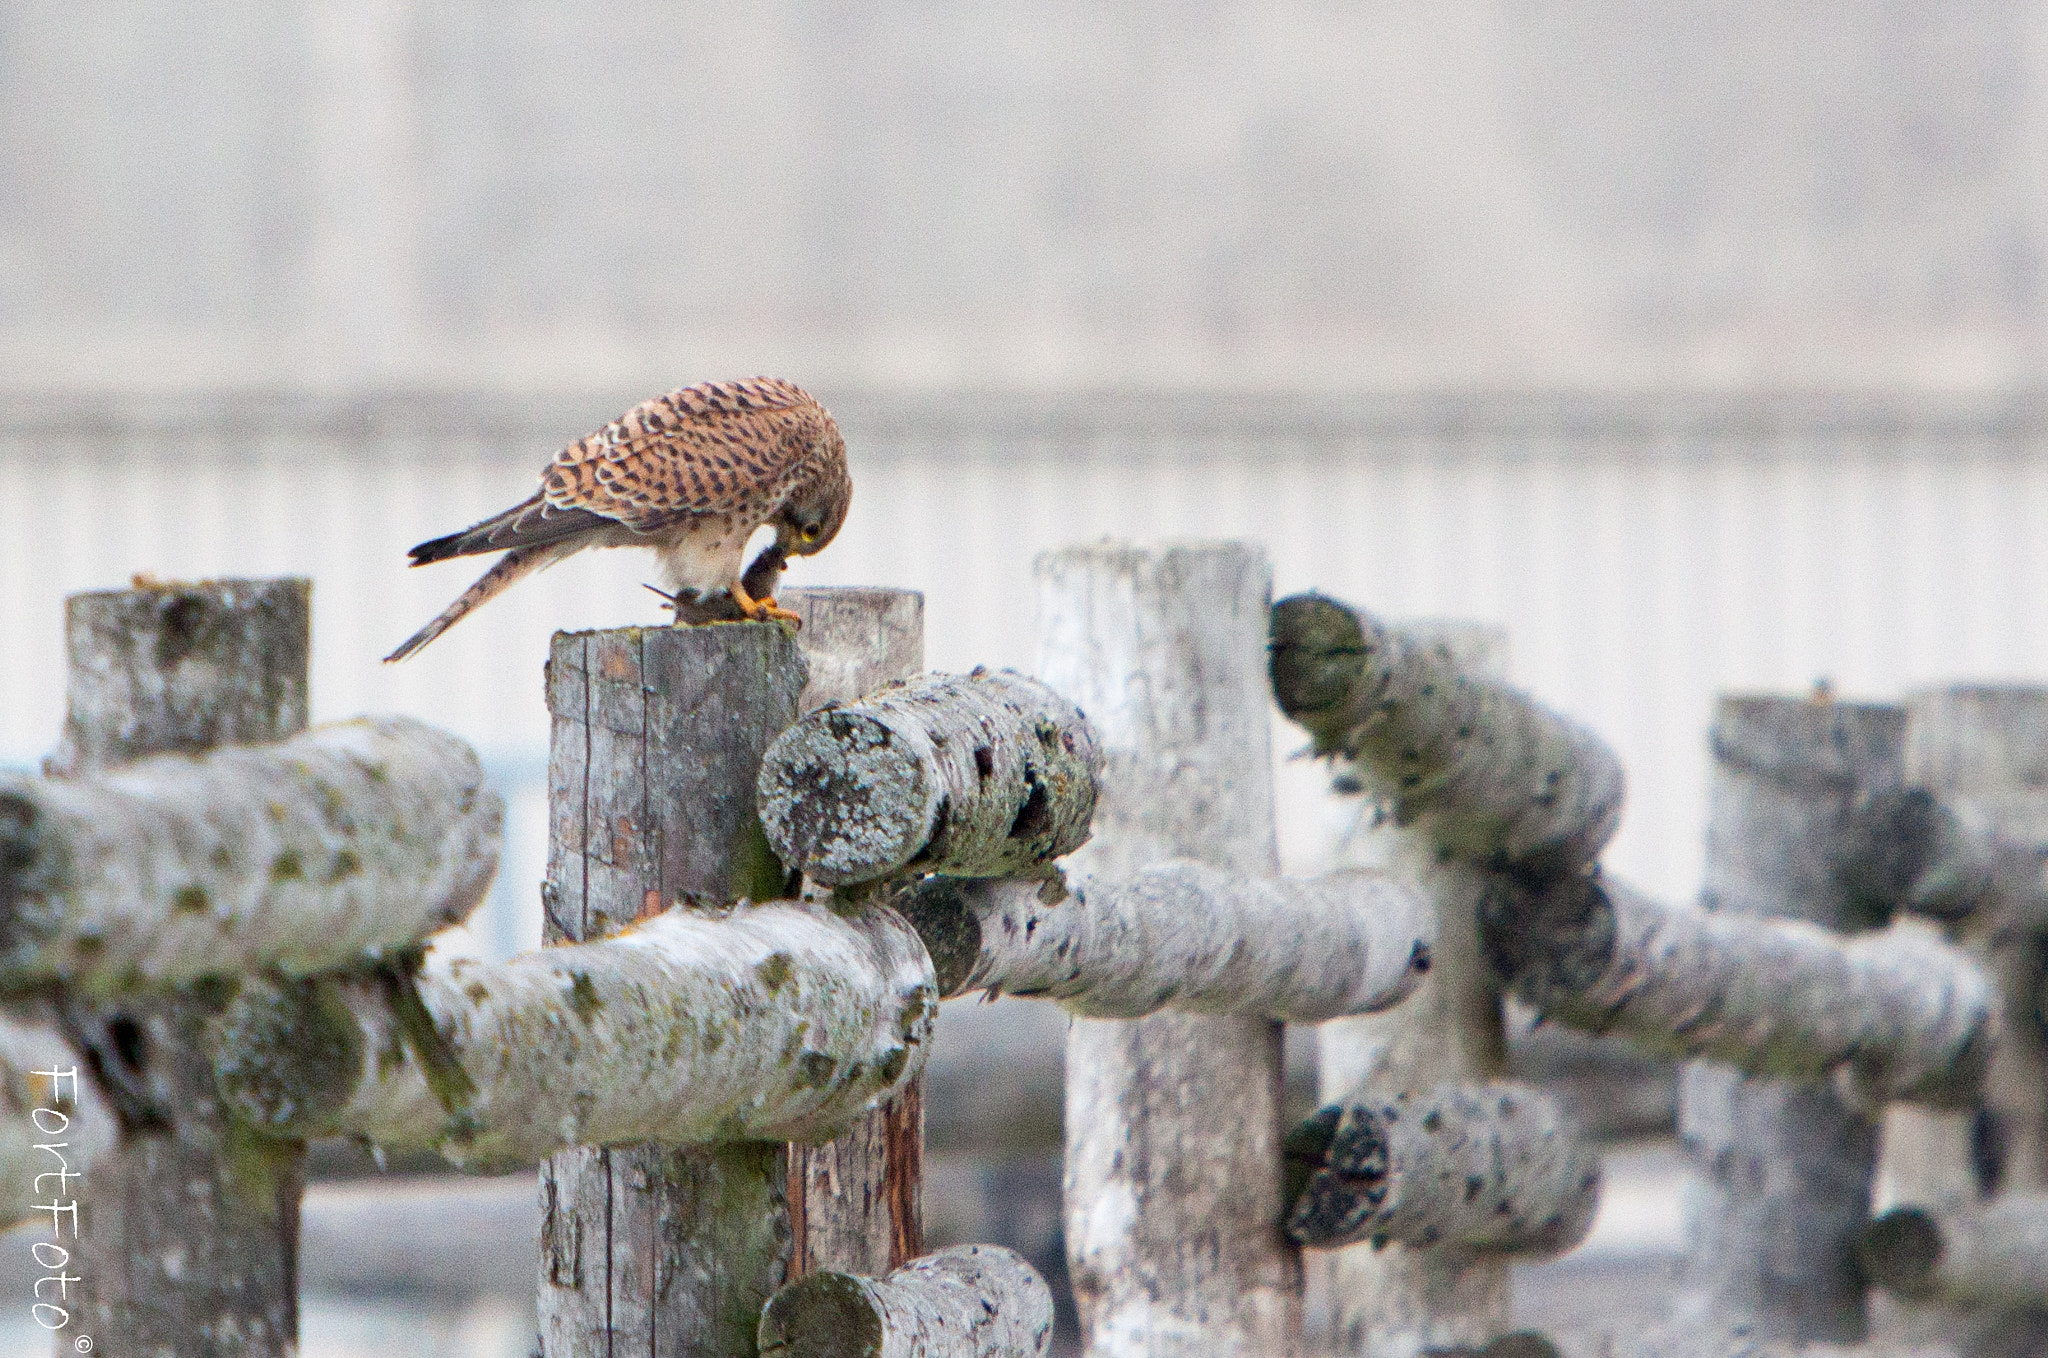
[(691, 475)]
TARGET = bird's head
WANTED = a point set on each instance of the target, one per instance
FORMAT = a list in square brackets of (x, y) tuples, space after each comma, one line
[(812, 515)]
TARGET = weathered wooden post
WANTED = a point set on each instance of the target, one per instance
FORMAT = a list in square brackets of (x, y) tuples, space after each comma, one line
[(1173, 1174), (1982, 753), (1782, 1169), (188, 1229), (855, 1204), (658, 735)]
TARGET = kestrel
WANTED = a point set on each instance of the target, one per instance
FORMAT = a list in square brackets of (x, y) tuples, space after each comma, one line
[(691, 474)]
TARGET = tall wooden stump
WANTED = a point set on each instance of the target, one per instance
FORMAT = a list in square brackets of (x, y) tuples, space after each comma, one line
[(658, 736), (854, 1203), (189, 1227), (1782, 1171), (1173, 1173), (1392, 1302)]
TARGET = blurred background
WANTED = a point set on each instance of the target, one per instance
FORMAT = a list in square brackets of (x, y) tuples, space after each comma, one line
[(1703, 348)]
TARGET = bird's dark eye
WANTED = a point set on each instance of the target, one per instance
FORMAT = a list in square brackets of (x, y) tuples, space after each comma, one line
[(811, 531)]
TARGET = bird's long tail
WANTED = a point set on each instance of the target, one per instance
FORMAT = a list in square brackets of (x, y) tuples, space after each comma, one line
[(519, 562)]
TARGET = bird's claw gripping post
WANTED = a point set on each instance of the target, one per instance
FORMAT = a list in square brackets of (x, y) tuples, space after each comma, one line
[(762, 610)]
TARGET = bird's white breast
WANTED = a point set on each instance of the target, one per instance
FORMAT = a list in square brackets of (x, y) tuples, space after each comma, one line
[(704, 556)]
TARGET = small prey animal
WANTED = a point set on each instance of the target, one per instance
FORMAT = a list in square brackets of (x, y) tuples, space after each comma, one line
[(690, 475)]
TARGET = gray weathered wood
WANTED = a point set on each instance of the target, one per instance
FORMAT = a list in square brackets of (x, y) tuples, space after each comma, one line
[(983, 775), (1481, 769), (190, 1224), (1782, 1169), (1186, 936), (1897, 1013), (1460, 1167), (1991, 1255), (776, 1021), (657, 740), (970, 1301), (1173, 1164), (334, 847), (1394, 1301), (856, 1202), (60, 1111)]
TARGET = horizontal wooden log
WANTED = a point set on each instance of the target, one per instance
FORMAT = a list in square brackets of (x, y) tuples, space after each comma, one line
[(348, 842), (1483, 770), (780, 1021), (1898, 1014), (986, 775), (1488, 1167), (1181, 935), (970, 1301), (1991, 1254), (1943, 857)]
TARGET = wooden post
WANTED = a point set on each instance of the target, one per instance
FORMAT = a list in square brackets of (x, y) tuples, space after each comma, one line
[(189, 1227), (856, 1204), (1782, 1169), (1173, 1173), (1395, 1300), (657, 739), (1985, 748)]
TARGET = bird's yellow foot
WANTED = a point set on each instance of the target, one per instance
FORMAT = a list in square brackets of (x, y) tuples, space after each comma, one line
[(763, 610)]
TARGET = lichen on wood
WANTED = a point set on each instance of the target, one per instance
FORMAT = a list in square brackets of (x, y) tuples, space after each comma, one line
[(982, 775), (1992, 1254), (349, 842), (1487, 1167), (1182, 935), (969, 1301), (1484, 771), (776, 1021), (1899, 1014)]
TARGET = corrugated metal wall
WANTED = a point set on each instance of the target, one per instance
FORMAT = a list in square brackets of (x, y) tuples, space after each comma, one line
[(1643, 555)]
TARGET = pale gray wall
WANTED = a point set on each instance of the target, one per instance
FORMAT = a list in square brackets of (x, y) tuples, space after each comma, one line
[(924, 193)]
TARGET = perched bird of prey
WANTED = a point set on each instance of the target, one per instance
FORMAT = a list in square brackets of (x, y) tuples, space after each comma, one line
[(691, 474)]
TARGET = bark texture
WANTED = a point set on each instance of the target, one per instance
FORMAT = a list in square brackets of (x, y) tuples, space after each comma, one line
[(1478, 767), (190, 1225), (329, 849), (971, 1301), (855, 1203), (1173, 1162), (1782, 1170), (777, 1021), (1991, 1255), (983, 775), (1396, 1301), (657, 741), (1899, 1014), (1183, 935), (1462, 1167)]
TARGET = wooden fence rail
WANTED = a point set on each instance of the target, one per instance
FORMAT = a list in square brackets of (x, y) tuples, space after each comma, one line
[(770, 856)]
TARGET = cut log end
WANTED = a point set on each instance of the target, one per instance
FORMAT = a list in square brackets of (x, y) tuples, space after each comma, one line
[(983, 775), (970, 1301), (1901, 1250)]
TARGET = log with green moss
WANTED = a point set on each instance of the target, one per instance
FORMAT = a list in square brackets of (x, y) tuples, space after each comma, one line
[(980, 775), (1979, 1255), (1485, 772), (1182, 935), (344, 844), (780, 1021)]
